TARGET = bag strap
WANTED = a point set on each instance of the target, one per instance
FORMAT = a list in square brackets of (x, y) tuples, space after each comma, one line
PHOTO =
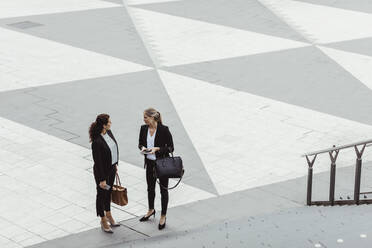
[(166, 146), (158, 181), (117, 178)]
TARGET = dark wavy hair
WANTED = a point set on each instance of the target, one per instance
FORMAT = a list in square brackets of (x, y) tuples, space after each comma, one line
[(96, 127)]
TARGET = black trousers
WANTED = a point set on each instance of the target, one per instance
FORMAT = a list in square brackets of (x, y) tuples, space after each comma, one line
[(151, 183), (103, 199)]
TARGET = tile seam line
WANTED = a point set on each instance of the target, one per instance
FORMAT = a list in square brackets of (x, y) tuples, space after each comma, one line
[(50, 115), (151, 54), (286, 20)]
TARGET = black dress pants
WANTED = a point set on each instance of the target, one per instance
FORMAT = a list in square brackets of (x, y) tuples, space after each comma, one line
[(103, 200), (151, 182)]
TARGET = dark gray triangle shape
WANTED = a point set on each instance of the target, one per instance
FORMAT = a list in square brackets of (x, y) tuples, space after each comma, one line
[(108, 31), (66, 111), (361, 46), (359, 5), (305, 77), (243, 14)]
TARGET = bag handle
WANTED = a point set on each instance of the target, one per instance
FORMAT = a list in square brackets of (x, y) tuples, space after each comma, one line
[(167, 188), (117, 179), (166, 146)]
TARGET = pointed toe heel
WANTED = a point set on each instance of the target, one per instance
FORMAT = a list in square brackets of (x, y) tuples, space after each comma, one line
[(162, 226), (106, 228), (146, 218)]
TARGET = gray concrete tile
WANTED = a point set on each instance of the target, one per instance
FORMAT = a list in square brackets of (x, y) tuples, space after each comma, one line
[(249, 15), (109, 31), (295, 76), (299, 226), (362, 5), (304, 77), (124, 97), (93, 238), (361, 46), (267, 217)]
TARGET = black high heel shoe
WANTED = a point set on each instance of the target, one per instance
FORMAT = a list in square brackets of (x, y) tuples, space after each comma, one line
[(146, 218), (161, 226)]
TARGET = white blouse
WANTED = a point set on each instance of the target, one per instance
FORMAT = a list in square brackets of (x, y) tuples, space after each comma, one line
[(150, 144), (113, 148)]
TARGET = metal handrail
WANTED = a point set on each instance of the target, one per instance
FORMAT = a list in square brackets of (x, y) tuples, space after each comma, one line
[(335, 148), (333, 154)]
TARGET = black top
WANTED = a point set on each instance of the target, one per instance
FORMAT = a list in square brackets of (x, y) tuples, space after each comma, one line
[(163, 140), (102, 157)]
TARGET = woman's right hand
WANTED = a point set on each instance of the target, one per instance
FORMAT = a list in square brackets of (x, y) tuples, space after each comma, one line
[(102, 184)]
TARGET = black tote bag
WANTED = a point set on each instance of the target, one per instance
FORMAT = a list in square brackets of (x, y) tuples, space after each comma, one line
[(169, 167)]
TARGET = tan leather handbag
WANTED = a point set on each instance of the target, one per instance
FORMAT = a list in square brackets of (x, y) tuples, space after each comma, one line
[(119, 194)]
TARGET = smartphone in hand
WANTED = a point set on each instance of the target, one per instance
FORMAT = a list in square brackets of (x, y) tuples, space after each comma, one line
[(146, 151)]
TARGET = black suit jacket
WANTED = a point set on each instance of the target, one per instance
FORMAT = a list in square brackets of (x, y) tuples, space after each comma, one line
[(163, 140), (102, 157)]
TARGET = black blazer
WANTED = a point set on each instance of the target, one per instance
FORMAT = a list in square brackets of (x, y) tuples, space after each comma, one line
[(102, 157), (163, 140)]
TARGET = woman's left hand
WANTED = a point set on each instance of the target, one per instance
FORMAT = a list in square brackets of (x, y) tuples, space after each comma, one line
[(154, 149)]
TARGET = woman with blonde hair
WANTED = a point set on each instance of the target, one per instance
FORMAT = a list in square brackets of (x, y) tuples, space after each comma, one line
[(156, 140)]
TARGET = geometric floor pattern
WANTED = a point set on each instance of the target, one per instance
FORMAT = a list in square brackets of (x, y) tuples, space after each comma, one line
[(246, 87)]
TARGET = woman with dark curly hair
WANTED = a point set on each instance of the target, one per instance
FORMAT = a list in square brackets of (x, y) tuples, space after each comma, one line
[(106, 156)]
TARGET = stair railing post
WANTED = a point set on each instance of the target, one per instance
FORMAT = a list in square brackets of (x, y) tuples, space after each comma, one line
[(358, 173), (310, 178), (332, 182)]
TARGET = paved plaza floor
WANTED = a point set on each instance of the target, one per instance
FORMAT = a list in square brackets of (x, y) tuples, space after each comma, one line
[(245, 86)]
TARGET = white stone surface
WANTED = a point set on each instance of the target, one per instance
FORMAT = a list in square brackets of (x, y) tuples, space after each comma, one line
[(58, 188), (138, 2), (247, 141), (28, 61), (322, 24), (178, 40), (14, 8), (356, 64), (244, 140)]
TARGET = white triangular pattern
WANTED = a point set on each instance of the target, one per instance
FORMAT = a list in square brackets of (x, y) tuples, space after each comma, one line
[(53, 179), (247, 141), (178, 40), (356, 64), (138, 2), (320, 23), (28, 61)]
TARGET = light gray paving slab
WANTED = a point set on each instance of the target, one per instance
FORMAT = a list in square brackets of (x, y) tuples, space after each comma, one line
[(124, 97), (272, 216), (258, 201), (360, 5), (93, 238), (109, 31), (243, 14), (305, 77), (304, 227)]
